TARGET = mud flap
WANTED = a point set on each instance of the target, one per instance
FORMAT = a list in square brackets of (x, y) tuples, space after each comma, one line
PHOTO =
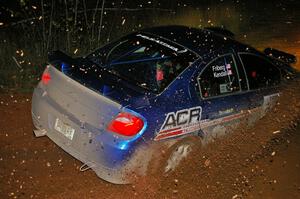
[(269, 102), (39, 132)]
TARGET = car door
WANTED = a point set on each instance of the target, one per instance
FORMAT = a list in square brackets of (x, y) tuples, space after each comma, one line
[(263, 78), (222, 94)]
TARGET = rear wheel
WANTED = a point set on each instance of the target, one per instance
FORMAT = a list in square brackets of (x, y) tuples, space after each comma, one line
[(168, 158), (177, 156)]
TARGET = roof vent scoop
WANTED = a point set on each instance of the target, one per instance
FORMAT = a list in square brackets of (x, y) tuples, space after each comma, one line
[(221, 31)]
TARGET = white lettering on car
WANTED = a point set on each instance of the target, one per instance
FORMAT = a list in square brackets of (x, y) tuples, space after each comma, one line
[(158, 41), (222, 71), (180, 123)]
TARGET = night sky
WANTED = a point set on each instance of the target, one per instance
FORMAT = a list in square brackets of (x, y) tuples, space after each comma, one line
[(13, 10)]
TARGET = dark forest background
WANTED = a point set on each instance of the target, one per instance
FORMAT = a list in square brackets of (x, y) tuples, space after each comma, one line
[(29, 29)]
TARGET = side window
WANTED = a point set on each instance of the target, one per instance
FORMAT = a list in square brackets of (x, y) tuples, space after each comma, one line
[(260, 72), (219, 77), (135, 49), (122, 49)]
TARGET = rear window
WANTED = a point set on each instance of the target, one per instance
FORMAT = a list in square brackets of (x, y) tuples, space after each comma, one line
[(260, 72), (148, 62)]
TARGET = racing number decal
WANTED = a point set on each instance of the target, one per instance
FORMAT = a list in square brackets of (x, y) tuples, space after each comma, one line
[(180, 123)]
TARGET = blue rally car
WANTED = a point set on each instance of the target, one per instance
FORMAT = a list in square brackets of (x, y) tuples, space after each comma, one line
[(155, 87)]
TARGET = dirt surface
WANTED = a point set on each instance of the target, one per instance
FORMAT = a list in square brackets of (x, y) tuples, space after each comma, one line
[(249, 163), (262, 161)]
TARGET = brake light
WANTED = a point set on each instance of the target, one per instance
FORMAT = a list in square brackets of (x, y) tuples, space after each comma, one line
[(126, 124), (46, 77)]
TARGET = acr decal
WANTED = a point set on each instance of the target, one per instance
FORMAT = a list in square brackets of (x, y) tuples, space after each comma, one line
[(195, 126), (159, 42), (180, 123)]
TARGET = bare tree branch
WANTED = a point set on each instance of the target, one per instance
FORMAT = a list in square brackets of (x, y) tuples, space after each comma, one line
[(44, 28), (94, 21), (85, 13), (67, 26), (15, 60), (91, 10), (50, 25), (101, 21), (75, 14)]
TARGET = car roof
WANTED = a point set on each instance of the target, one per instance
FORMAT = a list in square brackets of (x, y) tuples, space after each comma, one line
[(201, 41)]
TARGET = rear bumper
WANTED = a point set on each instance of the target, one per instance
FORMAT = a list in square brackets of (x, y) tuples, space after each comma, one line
[(88, 144)]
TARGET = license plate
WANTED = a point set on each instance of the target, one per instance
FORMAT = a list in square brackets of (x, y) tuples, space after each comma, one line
[(64, 129)]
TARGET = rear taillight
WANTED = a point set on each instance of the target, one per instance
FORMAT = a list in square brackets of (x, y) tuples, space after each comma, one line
[(126, 124), (46, 77)]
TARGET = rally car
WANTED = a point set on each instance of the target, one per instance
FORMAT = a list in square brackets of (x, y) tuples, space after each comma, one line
[(154, 87)]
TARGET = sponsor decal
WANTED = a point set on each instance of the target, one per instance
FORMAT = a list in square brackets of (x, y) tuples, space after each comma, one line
[(222, 71), (189, 120), (224, 88), (226, 112), (161, 43), (180, 123)]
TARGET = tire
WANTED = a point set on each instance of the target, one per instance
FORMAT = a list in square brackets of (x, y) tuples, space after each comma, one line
[(177, 156), (168, 158)]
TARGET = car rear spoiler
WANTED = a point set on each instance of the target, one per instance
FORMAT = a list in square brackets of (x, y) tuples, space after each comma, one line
[(283, 56)]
